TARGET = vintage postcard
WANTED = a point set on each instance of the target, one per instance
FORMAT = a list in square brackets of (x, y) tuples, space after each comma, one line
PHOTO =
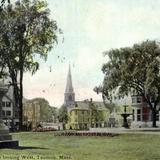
[(79, 80)]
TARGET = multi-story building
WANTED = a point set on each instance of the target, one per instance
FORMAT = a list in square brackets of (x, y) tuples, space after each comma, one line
[(139, 110), (142, 114), (37, 111), (31, 113), (10, 113), (82, 116)]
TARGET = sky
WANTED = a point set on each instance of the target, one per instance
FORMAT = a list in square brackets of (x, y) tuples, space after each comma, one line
[(89, 27)]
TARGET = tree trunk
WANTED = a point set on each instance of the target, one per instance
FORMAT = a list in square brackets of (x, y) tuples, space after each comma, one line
[(21, 102), (15, 90), (153, 109), (21, 63), (154, 114)]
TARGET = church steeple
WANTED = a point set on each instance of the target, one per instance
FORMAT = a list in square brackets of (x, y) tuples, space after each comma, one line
[(69, 95), (69, 87)]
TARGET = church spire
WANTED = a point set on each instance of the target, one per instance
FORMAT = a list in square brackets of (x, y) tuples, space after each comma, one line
[(69, 87), (69, 96)]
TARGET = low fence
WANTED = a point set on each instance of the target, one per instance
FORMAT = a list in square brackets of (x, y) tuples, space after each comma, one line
[(85, 134)]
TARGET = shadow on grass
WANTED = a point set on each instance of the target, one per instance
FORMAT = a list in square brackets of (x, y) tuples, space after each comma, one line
[(26, 147)]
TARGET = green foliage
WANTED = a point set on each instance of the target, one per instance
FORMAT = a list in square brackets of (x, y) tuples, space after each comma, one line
[(112, 107), (3, 2), (47, 112), (54, 112), (96, 115), (63, 115), (26, 32), (134, 69)]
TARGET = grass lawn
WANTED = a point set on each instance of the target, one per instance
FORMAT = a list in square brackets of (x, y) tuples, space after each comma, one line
[(46, 146)]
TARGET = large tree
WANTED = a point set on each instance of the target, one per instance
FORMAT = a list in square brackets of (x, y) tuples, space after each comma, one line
[(46, 111), (3, 2), (134, 69), (26, 32), (63, 115), (97, 115)]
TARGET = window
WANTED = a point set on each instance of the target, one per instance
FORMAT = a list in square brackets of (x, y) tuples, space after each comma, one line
[(133, 114), (8, 104), (136, 99), (139, 99), (138, 111), (157, 117), (3, 104), (16, 114), (3, 113), (138, 115), (133, 99), (8, 113)]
